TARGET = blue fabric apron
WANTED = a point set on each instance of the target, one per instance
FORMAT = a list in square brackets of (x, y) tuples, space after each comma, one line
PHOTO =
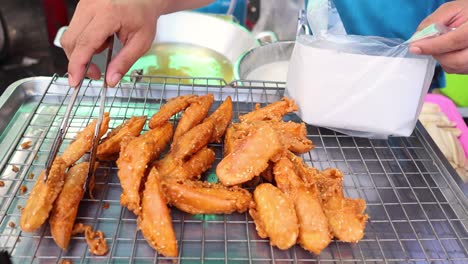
[(388, 18)]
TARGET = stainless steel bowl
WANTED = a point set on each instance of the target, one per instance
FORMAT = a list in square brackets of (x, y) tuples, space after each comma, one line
[(257, 57)]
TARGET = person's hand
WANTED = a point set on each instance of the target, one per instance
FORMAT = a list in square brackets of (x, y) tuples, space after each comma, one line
[(95, 21), (450, 49)]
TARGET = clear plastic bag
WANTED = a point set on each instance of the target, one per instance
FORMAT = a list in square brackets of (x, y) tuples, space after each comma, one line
[(358, 85)]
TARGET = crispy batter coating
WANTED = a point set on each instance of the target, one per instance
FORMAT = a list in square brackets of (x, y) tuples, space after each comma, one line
[(192, 141), (172, 107), (65, 208), (134, 159), (155, 220), (292, 135), (194, 114), (345, 215), (274, 111), (167, 165), (274, 216), (195, 197), (110, 146), (42, 196), (221, 118), (250, 156), (314, 233), (84, 141), (97, 244), (195, 166)]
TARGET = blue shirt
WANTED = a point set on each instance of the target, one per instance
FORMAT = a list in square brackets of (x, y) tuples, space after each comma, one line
[(388, 18)]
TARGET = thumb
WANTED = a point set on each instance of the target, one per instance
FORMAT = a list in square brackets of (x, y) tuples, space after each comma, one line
[(135, 46)]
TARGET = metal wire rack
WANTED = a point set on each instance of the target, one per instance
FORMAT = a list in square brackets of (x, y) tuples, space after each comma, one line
[(417, 212)]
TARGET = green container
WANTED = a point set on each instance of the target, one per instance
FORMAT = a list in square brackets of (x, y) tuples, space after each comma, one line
[(457, 89)]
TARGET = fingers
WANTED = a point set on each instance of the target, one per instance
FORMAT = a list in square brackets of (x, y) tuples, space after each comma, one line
[(135, 46), (77, 25), (444, 15), (88, 43), (454, 62), (449, 42), (94, 72)]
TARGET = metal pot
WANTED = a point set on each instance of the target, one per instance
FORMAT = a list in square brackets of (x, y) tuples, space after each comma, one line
[(261, 56), (227, 38)]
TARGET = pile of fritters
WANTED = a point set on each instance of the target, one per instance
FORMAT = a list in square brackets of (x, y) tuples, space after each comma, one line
[(304, 205), (163, 166)]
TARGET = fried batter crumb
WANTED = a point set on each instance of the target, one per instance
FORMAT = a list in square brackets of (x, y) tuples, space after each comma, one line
[(11, 224), (19, 207), (66, 261), (23, 189), (26, 144), (36, 157), (2, 183), (105, 205), (14, 168), (95, 239), (31, 176)]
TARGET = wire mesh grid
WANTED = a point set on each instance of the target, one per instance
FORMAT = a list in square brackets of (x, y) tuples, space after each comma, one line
[(416, 212)]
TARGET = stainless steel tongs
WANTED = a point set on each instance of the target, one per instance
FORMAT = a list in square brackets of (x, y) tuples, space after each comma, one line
[(63, 126)]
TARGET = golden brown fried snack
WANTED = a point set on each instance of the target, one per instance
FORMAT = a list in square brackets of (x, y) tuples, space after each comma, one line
[(84, 141), (274, 216), (167, 165), (195, 197), (292, 135), (155, 220), (134, 159), (192, 141), (345, 215), (221, 118), (274, 111), (42, 196), (172, 107), (314, 233), (195, 166), (250, 156), (66, 205), (110, 146), (194, 114)]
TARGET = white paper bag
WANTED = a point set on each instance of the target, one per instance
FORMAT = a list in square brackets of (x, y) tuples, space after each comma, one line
[(361, 86)]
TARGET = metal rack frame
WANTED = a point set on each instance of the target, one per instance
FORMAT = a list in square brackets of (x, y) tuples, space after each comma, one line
[(417, 211)]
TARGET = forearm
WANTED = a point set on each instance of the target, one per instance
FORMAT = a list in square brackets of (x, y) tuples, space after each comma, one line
[(179, 5)]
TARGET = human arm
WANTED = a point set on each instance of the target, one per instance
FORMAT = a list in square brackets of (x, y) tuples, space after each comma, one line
[(134, 22)]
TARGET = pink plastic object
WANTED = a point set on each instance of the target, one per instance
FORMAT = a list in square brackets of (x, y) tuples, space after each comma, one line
[(450, 110)]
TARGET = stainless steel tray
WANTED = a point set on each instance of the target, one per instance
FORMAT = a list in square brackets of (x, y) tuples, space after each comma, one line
[(416, 203)]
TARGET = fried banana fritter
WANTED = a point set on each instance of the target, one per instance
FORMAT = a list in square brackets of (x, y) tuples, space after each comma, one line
[(194, 114), (195, 166), (221, 119), (274, 111), (42, 196), (274, 216), (84, 141), (196, 197), (172, 107), (110, 146), (314, 233), (250, 156), (63, 215), (133, 162), (292, 135), (192, 141), (155, 220), (346, 218), (345, 215)]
